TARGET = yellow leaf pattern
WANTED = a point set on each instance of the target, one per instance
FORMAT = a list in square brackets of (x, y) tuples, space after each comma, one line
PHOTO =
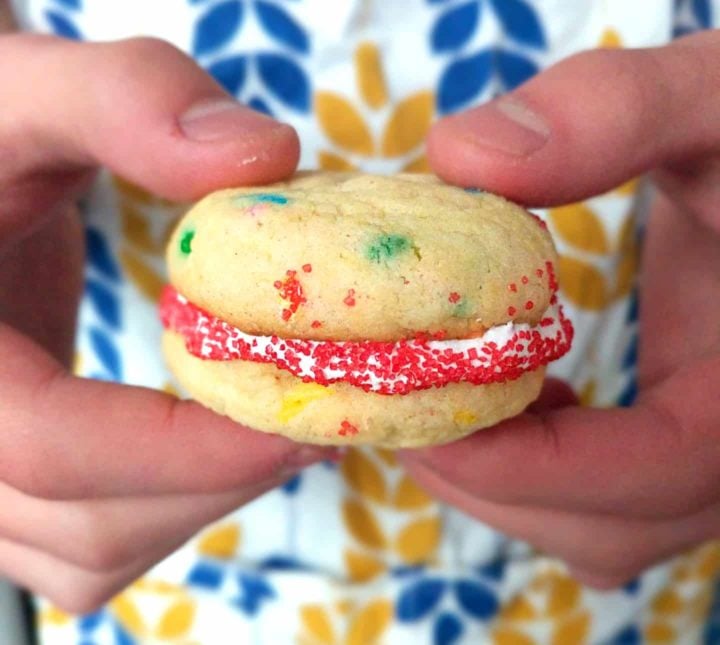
[(518, 609), (363, 476), (369, 624), (563, 597), (511, 637), (342, 123), (579, 226), (128, 615), (137, 231), (420, 164), (371, 83), (659, 633), (610, 39), (667, 602), (409, 496), (408, 124), (582, 284), (331, 161), (177, 620), (362, 567), (53, 616), (147, 280), (316, 622), (573, 631), (418, 540), (362, 524), (220, 542)]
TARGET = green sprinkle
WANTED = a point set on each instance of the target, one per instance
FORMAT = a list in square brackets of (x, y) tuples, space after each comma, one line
[(387, 246), (186, 242), (461, 309)]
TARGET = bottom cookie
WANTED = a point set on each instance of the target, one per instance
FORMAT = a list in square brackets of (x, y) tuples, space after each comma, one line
[(266, 398)]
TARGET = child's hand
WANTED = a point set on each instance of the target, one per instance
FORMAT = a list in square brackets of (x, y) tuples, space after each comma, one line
[(100, 481), (614, 491)]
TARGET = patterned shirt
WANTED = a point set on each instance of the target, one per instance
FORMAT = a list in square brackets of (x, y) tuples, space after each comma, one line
[(362, 80)]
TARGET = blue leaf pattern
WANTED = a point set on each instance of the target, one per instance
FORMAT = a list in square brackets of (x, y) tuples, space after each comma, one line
[(256, 103), (285, 80), (520, 22), (292, 485), (514, 69), (99, 256), (70, 4), (106, 353), (631, 353), (702, 11), (217, 27), (629, 636), (476, 599), (629, 394), (254, 591), (121, 636), (62, 26), (206, 575), (712, 629), (493, 570), (419, 599), (281, 26), (230, 73), (90, 622), (463, 80), (447, 629), (104, 302), (455, 27)]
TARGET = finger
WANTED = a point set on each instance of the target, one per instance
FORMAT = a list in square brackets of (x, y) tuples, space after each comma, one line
[(606, 550), (657, 459), (102, 535), (555, 393), (140, 107), (67, 586), (587, 124), (51, 257), (70, 438)]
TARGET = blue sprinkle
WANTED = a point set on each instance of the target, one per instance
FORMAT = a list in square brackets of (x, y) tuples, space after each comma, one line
[(475, 191), (268, 198)]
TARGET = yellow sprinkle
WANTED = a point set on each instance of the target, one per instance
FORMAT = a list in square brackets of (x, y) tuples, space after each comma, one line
[(295, 401), (464, 418)]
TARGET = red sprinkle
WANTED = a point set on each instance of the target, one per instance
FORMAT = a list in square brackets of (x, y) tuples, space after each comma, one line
[(373, 366), (539, 273), (349, 300), (315, 324), (525, 279), (539, 220), (291, 290), (512, 287), (529, 305), (307, 268), (347, 428), (512, 311), (454, 297)]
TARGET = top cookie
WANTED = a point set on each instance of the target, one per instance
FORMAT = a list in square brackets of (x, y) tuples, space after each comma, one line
[(343, 256)]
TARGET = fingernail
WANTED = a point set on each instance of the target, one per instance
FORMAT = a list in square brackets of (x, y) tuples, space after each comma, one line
[(506, 125), (216, 119)]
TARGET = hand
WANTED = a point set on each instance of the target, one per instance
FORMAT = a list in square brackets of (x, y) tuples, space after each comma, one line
[(99, 481), (609, 491)]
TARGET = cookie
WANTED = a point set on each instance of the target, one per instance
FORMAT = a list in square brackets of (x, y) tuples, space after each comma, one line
[(348, 308)]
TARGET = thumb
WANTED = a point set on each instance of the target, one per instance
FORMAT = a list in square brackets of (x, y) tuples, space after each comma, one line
[(587, 124), (140, 107)]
